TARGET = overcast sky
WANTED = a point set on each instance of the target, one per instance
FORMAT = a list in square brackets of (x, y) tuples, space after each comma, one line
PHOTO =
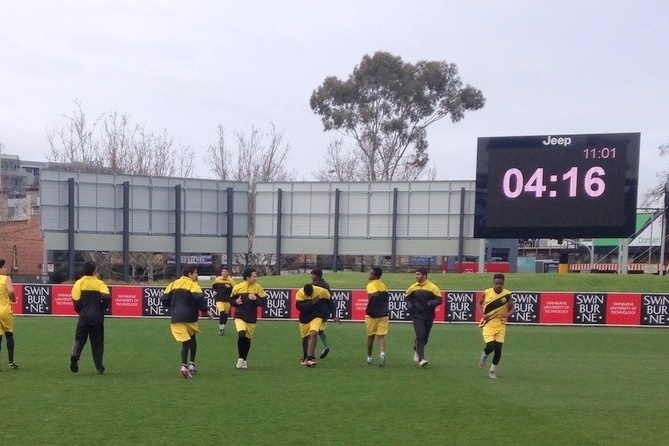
[(545, 67)]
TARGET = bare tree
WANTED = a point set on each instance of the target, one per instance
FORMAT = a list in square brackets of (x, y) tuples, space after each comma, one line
[(75, 144), (656, 193), (112, 143), (259, 157)]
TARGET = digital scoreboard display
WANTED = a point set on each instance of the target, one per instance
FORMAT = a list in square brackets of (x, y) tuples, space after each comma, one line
[(557, 186)]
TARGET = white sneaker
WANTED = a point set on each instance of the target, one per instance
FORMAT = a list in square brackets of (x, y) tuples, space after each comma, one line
[(244, 364), (422, 362), (192, 369), (369, 360), (415, 356), (240, 363), (185, 372), (382, 359), (492, 374)]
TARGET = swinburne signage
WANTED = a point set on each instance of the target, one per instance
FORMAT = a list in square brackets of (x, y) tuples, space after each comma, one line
[(543, 308)]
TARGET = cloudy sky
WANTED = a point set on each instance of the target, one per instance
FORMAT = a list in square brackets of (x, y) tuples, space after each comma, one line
[(545, 67)]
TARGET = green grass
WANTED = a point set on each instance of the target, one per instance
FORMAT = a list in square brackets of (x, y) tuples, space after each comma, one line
[(557, 385), (515, 282)]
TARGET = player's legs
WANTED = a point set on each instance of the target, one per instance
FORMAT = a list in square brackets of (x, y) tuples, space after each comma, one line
[(370, 345), (428, 330), (243, 344), (498, 353), (223, 314), (97, 335), (381, 332), (421, 337), (370, 326), (311, 346), (10, 346), (244, 335), (382, 343), (489, 348), (81, 335), (185, 347), (314, 328), (500, 335), (305, 347), (324, 339), (193, 348)]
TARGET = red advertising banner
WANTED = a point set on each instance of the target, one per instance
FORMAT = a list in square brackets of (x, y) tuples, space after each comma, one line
[(440, 311), (556, 308), (477, 312), (61, 300), (623, 309), (359, 304), (126, 300), (17, 307)]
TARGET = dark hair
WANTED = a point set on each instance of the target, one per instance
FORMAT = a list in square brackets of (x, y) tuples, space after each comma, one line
[(2, 263), (222, 267), (188, 269), (247, 273), (88, 268), (498, 276), (317, 272), (422, 270), (377, 271), (308, 289)]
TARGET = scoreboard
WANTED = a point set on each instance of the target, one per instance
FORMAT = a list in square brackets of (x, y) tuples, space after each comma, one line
[(557, 186)]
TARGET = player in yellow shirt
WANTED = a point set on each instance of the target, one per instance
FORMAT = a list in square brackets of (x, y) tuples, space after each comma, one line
[(246, 297), (7, 298), (496, 305), (313, 304), (91, 299), (377, 314), (222, 287)]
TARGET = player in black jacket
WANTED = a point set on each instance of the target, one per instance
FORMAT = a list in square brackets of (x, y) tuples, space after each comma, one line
[(185, 300), (91, 299)]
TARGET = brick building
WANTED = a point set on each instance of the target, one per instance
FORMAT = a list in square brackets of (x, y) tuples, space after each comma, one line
[(21, 243)]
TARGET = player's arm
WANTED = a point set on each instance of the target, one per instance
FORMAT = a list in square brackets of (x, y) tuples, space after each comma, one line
[(236, 299), (436, 299), (511, 309), (10, 290), (260, 296), (201, 302), (166, 298), (105, 300), (409, 298), (332, 307), (261, 300)]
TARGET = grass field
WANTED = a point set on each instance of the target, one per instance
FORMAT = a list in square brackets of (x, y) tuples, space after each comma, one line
[(557, 385)]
